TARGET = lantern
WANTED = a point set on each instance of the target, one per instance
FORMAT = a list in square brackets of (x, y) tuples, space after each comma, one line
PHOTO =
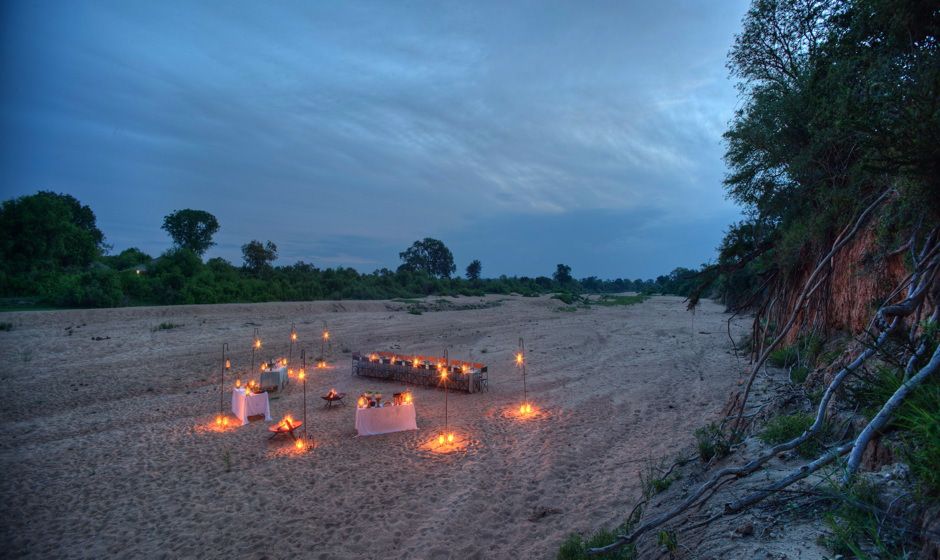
[(228, 364), (450, 437), (293, 336), (519, 359), (302, 374), (257, 344), (299, 444), (440, 439)]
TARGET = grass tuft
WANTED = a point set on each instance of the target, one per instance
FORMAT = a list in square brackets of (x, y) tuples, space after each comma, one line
[(711, 443), (166, 327), (784, 428)]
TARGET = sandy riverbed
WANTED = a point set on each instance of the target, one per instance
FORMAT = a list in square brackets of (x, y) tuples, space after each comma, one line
[(106, 446)]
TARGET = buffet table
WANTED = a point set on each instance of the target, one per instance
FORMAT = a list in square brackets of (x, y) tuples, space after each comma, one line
[(274, 379), (250, 404), (385, 420)]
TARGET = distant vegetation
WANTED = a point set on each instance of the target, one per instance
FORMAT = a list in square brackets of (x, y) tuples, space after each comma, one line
[(53, 253)]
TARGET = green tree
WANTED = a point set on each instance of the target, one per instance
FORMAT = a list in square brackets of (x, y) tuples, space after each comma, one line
[(44, 234), (191, 229), (474, 269), (258, 257), (562, 274), (430, 256)]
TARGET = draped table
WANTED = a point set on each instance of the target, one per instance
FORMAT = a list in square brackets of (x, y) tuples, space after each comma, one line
[(275, 379), (385, 420), (250, 404)]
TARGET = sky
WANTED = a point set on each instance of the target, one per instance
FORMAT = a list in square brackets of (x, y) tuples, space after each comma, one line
[(523, 134)]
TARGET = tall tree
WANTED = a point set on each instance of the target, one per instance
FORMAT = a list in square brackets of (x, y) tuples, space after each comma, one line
[(562, 274), (474, 269), (44, 233), (191, 229), (430, 256), (258, 257)]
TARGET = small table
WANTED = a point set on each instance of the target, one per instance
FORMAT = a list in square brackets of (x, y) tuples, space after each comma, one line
[(274, 379), (385, 420), (334, 398), (280, 429), (250, 404)]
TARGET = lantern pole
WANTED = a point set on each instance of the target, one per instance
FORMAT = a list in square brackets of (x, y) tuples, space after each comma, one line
[(323, 339), (293, 337), (222, 380), (255, 345), (444, 373), (525, 392), (303, 377)]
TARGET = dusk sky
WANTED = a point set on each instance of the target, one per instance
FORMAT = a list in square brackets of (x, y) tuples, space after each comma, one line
[(524, 134)]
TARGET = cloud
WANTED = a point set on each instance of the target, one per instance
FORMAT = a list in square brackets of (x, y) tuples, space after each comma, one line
[(344, 132)]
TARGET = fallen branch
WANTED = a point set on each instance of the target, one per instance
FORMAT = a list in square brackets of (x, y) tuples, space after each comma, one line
[(798, 474), (884, 415), (754, 464)]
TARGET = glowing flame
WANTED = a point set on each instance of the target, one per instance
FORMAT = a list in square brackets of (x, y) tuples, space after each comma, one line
[(228, 364), (362, 402), (257, 343), (218, 420), (299, 444), (465, 368), (450, 438), (326, 335), (238, 383), (519, 359), (407, 397), (293, 336), (440, 439), (302, 374)]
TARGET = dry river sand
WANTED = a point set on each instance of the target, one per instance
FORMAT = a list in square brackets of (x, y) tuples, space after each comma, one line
[(107, 447)]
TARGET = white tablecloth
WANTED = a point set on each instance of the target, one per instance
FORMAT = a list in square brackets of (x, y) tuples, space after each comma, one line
[(374, 421), (251, 404), (274, 377)]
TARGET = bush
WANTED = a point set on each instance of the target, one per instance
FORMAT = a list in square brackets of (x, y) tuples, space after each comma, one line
[(711, 443), (93, 288), (576, 547), (6, 326), (860, 528), (783, 428), (799, 374)]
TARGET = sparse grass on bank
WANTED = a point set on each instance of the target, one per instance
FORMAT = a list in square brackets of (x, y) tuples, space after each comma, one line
[(166, 326)]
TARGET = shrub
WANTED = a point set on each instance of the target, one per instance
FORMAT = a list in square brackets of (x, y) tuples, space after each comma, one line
[(166, 326), (576, 547), (711, 442), (6, 326), (860, 528), (799, 374), (783, 428), (567, 297), (783, 357)]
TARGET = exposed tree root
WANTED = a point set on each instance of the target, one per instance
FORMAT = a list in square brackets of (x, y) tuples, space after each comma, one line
[(921, 285)]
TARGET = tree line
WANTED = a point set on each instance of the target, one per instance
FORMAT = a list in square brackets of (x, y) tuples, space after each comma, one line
[(53, 253)]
